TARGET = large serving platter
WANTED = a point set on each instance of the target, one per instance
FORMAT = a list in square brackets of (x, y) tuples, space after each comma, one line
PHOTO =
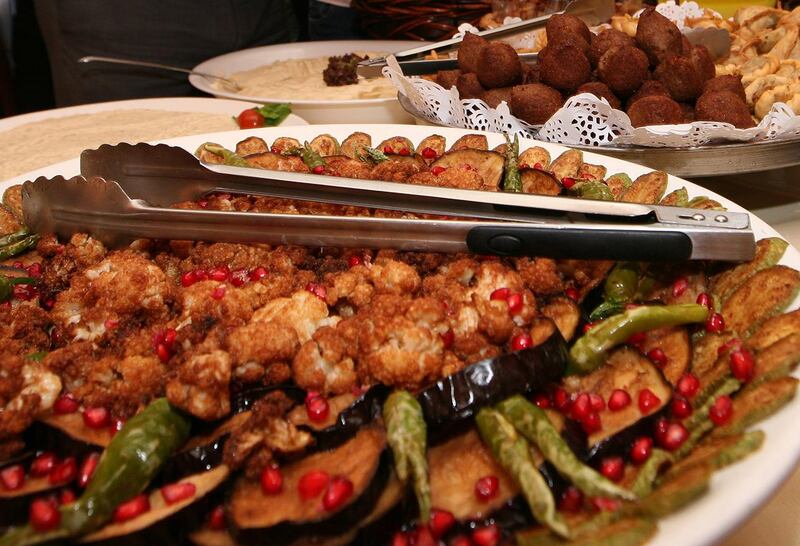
[(381, 110), (692, 162), (737, 491)]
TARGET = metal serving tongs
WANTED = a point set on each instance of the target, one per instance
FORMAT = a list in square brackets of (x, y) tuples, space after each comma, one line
[(140, 181), (592, 12)]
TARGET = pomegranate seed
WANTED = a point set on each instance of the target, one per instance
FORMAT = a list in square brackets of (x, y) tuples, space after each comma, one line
[(637, 340), (271, 480), (96, 417), (163, 353), (12, 477), (135, 507), (404, 151), (429, 153), (319, 169), (87, 469), (318, 290), (258, 273), (354, 260), (743, 365), (239, 277), (177, 492), (730, 345), (111, 323), (542, 401), (515, 303), (170, 335), (388, 150), (486, 488), (423, 537), (158, 338), (216, 519), (618, 400), (43, 464), (18, 265), (538, 166), (613, 468), (64, 472), (219, 274), (597, 402), (66, 496), (674, 436), (188, 279), (681, 408), (660, 429), (571, 500), (648, 401), (437, 170), (581, 407), (721, 410), (116, 425), (715, 324), (44, 515), (561, 399), (605, 504), (461, 540), (589, 325), (657, 356), (203, 204), (201, 275), (400, 539), (641, 449), (448, 338), (441, 522), (312, 483), (572, 294), (680, 286), (500, 294), (521, 341), (219, 292), (47, 303), (688, 385), (591, 423), (705, 300), (317, 408), (486, 536), (568, 182), (339, 492), (65, 403), (34, 270)]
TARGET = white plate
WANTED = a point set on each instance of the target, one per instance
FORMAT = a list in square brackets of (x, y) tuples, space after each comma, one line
[(737, 491), (385, 110)]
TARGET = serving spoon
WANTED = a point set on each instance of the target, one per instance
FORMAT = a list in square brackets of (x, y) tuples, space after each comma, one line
[(230, 85)]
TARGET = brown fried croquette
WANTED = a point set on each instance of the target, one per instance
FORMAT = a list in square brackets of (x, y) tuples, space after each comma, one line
[(655, 110), (725, 107), (469, 52), (535, 102), (469, 87), (499, 66), (561, 25), (447, 78), (605, 40), (623, 69), (493, 97), (599, 89), (657, 36), (563, 66), (648, 88), (728, 82), (680, 77)]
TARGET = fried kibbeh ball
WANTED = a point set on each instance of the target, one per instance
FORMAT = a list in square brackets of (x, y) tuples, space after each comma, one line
[(561, 25), (702, 61), (493, 97), (469, 52), (563, 66), (728, 82), (648, 88), (725, 107), (655, 110), (530, 73), (534, 102), (599, 89), (447, 78), (573, 40), (469, 87), (499, 66), (624, 69), (605, 40), (657, 36), (680, 77)]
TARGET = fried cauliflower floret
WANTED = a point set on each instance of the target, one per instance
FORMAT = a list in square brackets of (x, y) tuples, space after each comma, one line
[(23, 329), (234, 256), (327, 362), (455, 177), (393, 277), (82, 251), (395, 171), (540, 275), (26, 390), (125, 287), (202, 309), (200, 386), (352, 286)]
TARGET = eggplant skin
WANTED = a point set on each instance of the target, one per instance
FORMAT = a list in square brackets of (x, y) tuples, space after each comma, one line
[(458, 397), (363, 411)]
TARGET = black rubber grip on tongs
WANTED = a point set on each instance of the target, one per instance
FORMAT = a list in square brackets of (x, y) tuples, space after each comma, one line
[(589, 244)]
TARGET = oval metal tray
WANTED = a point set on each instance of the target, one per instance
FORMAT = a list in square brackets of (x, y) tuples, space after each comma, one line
[(694, 162)]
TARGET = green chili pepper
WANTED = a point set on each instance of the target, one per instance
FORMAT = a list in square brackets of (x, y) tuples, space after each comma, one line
[(589, 352), (532, 422), (228, 157), (129, 463), (592, 189), (7, 285), (648, 472), (513, 453), (407, 435), (18, 247), (311, 158), (366, 153), (620, 288), (14, 237), (511, 180)]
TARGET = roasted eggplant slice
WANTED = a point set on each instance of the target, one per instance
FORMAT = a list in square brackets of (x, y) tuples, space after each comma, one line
[(255, 517), (251, 145), (325, 145), (436, 143), (648, 188), (355, 144), (489, 165), (67, 434), (15, 504), (458, 397), (674, 342), (470, 142), (535, 157), (164, 523), (396, 145), (763, 295), (539, 182)]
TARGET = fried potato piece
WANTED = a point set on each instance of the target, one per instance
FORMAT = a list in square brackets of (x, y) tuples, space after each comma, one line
[(499, 66), (563, 66), (657, 36), (623, 69), (655, 110), (534, 102)]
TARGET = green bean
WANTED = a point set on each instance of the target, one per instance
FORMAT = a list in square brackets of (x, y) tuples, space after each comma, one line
[(407, 435)]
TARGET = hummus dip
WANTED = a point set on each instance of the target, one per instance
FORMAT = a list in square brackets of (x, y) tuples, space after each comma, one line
[(301, 79)]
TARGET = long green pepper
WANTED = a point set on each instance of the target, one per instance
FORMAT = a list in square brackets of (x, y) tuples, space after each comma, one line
[(406, 433), (128, 464), (512, 182)]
